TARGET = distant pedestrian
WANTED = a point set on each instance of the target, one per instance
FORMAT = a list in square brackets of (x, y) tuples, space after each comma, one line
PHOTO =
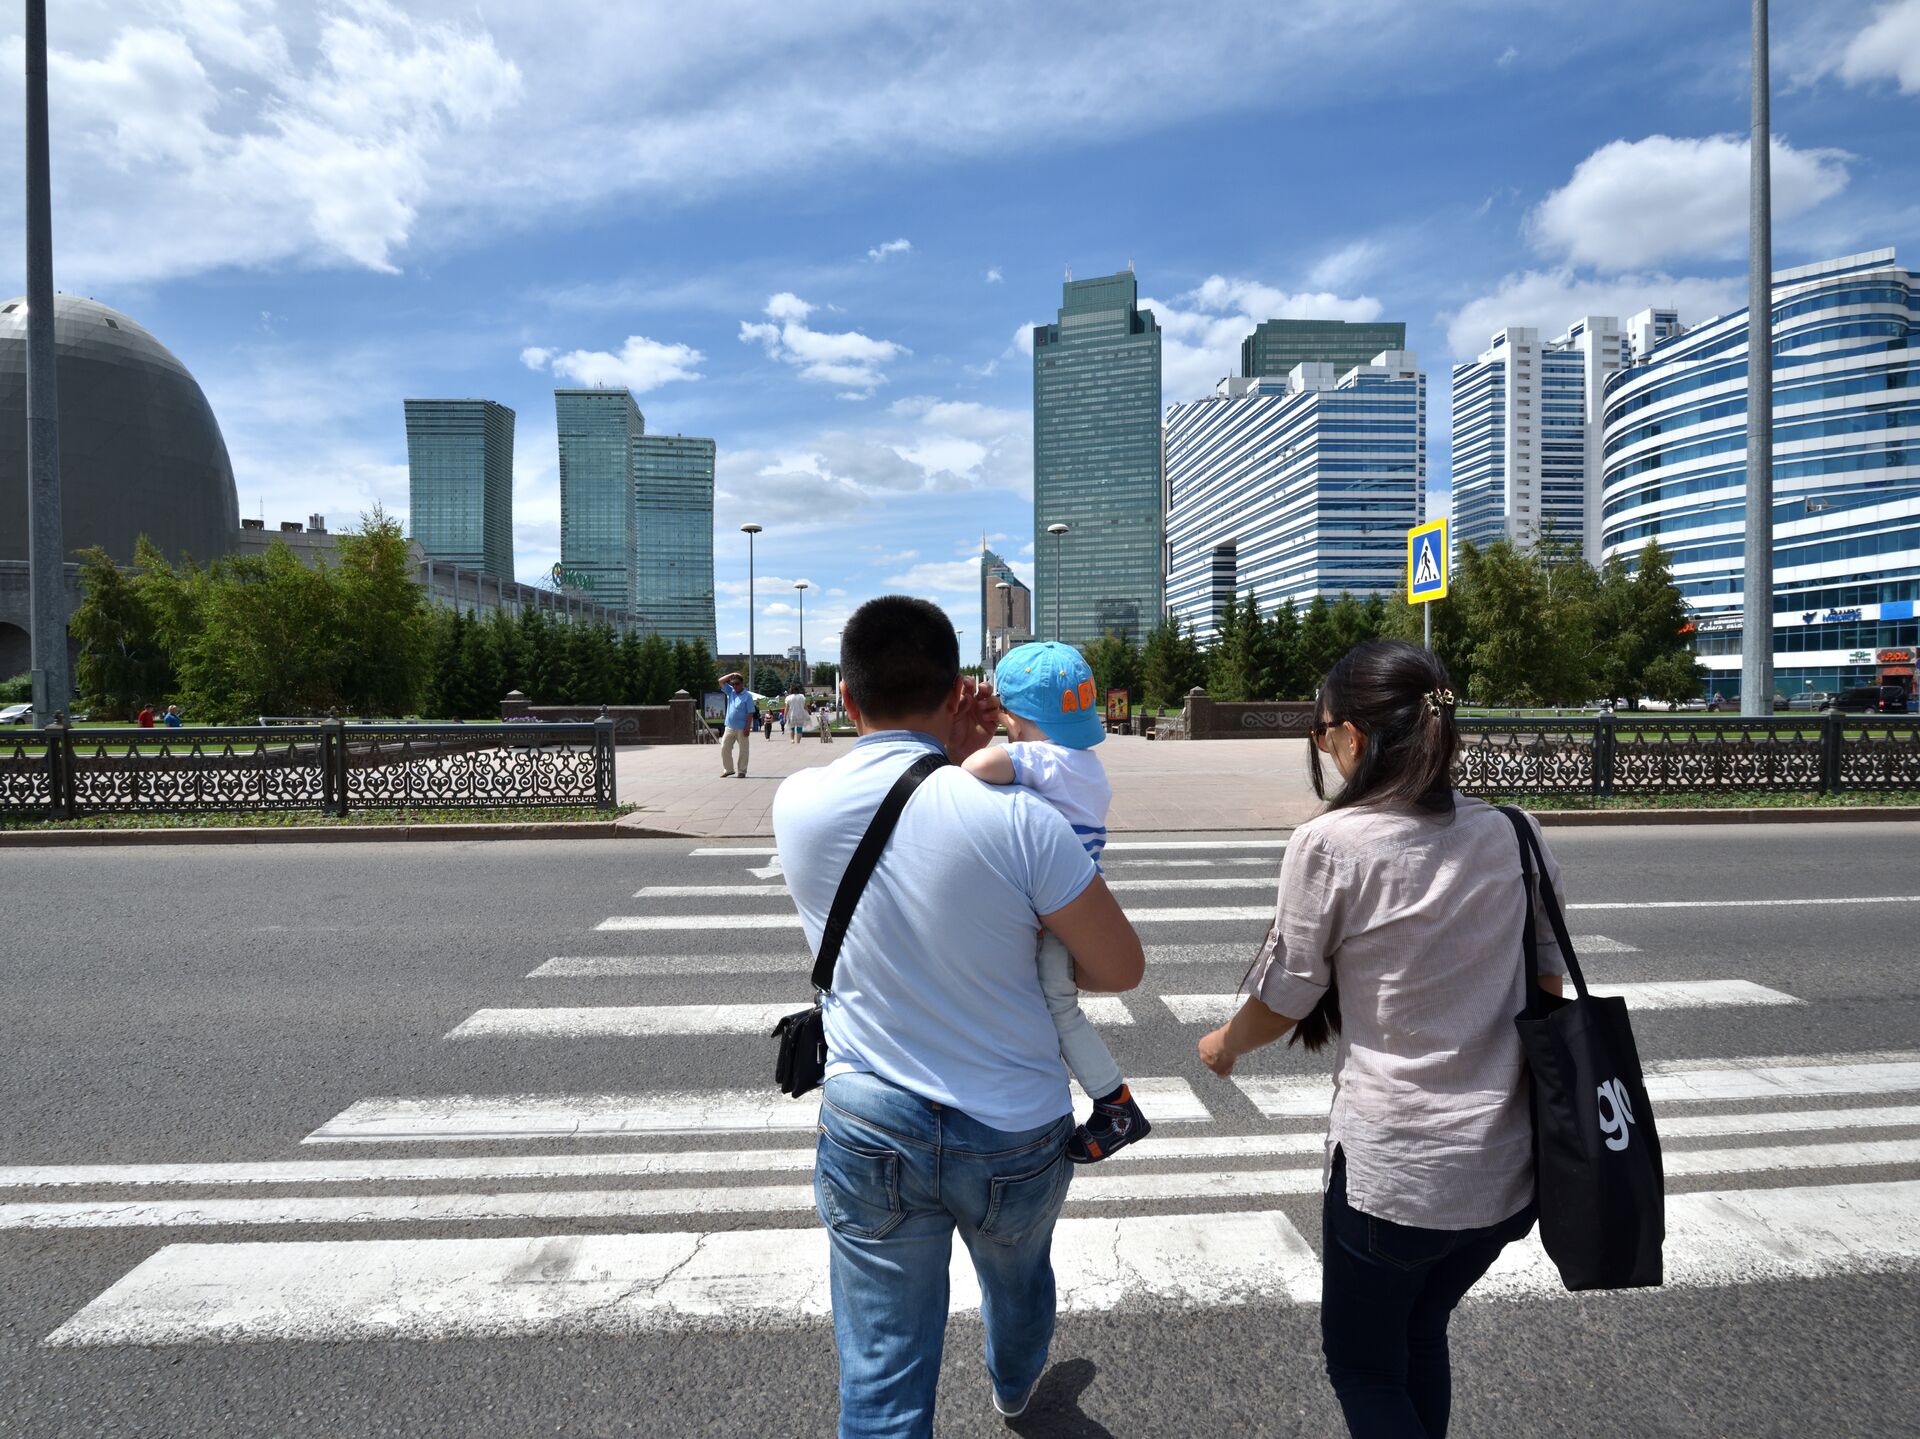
[(796, 705), (766, 723), (1399, 927), (172, 718), (822, 717), (734, 739), (145, 718)]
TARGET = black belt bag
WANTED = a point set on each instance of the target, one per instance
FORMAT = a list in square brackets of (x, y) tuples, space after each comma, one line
[(802, 1060)]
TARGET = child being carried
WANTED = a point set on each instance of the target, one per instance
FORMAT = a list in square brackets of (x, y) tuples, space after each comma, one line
[(1048, 705)]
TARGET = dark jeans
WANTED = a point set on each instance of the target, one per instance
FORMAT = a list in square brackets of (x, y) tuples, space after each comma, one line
[(1387, 1291)]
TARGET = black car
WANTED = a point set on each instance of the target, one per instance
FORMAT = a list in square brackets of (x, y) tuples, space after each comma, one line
[(1872, 699)]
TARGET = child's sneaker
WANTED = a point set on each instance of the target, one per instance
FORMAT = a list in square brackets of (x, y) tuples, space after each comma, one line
[(1115, 1123)]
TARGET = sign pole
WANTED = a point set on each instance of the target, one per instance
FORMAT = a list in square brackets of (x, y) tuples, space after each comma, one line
[(1426, 616)]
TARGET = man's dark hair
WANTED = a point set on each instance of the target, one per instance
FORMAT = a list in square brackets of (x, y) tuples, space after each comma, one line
[(898, 656)]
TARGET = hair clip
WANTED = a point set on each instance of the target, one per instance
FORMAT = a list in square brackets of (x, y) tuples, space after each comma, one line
[(1438, 700)]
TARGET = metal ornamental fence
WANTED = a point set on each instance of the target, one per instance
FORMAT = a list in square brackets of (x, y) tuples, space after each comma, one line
[(1630, 754), (327, 766)]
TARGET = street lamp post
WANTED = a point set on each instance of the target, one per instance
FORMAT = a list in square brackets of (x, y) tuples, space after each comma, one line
[(46, 549), (1756, 626), (750, 531), (1059, 533), (801, 586)]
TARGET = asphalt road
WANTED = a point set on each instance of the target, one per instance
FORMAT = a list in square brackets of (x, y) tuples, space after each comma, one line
[(219, 1006)]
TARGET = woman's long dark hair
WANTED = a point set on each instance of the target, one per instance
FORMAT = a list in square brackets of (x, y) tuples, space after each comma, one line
[(1398, 696)]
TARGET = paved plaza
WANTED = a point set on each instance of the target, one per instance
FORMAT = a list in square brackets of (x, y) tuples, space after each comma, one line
[(1159, 786)]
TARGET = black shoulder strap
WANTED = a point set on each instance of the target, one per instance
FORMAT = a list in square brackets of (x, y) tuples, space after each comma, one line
[(865, 858), (1529, 852)]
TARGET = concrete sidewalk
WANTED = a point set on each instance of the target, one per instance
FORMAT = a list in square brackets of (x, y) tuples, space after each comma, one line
[(1156, 787)]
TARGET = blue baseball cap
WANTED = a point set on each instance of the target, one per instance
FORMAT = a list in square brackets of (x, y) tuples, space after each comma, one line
[(1050, 684)]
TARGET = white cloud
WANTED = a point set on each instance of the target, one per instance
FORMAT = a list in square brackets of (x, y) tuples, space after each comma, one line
[(1201, 330), (939, 577), (890, 247), (1550, 300), (202, 130), (1347, 265), (1636, 203), (1507, 57), (1887, 49), (994, 276), (846, 358), (640, 365)]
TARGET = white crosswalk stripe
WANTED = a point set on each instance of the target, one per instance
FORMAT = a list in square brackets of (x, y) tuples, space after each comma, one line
[(1663, 994), (780, 891), (601, 1020), (656, 923), (1122, 846), (1668, 1082), (634, 1283)]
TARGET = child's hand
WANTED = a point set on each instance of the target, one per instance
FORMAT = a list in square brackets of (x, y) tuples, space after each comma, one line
[(1215, 1054)]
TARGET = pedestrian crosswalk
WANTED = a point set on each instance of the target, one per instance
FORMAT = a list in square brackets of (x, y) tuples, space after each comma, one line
[(553, 1211)]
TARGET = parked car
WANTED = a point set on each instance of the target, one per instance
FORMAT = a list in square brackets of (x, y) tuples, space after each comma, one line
[(1893, 700), (17, 714), (1811, 700), (1864, 699)]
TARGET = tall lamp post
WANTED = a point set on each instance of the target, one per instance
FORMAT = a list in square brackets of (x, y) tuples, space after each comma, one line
[(46, 549), (749, 531), (801, 586), (1756, 626), (1059, 532)]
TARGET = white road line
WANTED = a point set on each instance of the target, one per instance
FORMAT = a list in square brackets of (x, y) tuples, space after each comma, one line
[(1600, 944), (1744, 903), (799, 1156), (455, 1117), (441, 1289), (1658, 994), (780, 891), (1121, 845), (639, 1020), (1668, 1082), (681, 922), (638, 1164), (1089, 1187), (1227, 861)]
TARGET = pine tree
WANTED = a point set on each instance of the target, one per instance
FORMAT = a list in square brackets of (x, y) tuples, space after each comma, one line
[(685, 677), (655, 674), (482, 670), (1319, 642), (1283, 676), (1159, 664)]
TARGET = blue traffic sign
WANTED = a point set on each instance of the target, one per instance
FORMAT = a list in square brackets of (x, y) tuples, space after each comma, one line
[(1427, 562)]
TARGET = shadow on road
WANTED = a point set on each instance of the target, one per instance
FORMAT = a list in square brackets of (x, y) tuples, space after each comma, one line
[(1055, 1412)]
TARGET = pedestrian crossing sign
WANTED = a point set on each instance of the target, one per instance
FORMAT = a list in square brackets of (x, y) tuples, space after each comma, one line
[(1427, 562)]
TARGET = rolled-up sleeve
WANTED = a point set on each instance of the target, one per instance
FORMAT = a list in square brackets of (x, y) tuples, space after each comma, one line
[(1295, 965)]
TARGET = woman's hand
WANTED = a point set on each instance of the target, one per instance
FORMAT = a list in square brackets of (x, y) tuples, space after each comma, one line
[(1215, 1054)]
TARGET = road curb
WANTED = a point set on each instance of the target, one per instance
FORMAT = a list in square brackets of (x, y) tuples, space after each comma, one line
[(328, 834)]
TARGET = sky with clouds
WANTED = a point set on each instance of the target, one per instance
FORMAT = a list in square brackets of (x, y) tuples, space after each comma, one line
[(819, 232)]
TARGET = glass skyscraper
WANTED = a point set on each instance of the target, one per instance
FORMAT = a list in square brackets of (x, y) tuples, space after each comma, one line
[(460, 483), (1096, 464), (673, 555), (1846, 498), (1296, 488), (1276, 346), (597, 518)]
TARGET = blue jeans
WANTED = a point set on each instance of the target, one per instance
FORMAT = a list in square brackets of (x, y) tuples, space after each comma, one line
[(1386, 1293), (895, 1175)]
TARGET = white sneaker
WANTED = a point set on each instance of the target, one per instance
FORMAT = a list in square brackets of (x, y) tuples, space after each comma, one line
[(1014, 1408)]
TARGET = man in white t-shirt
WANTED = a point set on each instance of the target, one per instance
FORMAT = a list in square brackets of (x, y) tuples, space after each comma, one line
[(946, 1105)]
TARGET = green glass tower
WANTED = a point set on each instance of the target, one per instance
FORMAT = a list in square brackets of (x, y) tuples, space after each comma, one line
[(460, 483), (673, 556), (597, 520), (1276, 346), (1096, 464)]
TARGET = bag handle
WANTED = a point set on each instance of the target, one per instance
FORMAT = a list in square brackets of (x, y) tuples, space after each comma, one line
[(865, 858), (1529, 851)]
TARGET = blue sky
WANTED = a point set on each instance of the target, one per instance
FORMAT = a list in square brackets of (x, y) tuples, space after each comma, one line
[(817, 231)]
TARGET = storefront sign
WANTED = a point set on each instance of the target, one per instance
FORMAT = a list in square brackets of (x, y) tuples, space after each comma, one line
[(571, 579), (1896, 657)]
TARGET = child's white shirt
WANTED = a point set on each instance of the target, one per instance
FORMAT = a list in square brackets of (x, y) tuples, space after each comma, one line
[(1073, 781)]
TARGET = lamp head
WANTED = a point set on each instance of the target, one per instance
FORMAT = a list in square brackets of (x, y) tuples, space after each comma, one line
[(1058, 529), (749, 529)]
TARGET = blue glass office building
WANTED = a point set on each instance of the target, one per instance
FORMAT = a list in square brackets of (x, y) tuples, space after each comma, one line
[(1291, 489), (673, 552), (1096, 463), (1846, 471), (597, 518), (460, 483)]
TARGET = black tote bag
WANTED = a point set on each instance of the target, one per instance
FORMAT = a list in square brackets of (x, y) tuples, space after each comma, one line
[(1602, 1190)]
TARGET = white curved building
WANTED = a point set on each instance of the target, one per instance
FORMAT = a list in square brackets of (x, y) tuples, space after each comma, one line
[(1846, 468)]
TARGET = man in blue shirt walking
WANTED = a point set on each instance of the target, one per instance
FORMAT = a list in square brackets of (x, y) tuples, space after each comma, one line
[(946, 1107), (742, 711)]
